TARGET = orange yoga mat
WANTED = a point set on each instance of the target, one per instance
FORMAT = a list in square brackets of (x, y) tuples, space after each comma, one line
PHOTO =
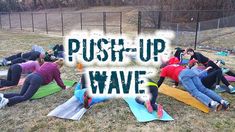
[(21, 82), (183, 96)]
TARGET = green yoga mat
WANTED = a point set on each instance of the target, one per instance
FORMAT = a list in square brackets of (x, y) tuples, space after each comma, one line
[(49, 89)]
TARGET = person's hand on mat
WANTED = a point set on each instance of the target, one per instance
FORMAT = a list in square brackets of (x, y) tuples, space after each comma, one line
[(208, 68), (67, 87)]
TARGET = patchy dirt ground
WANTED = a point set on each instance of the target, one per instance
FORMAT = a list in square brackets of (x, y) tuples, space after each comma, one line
[(113, 115)]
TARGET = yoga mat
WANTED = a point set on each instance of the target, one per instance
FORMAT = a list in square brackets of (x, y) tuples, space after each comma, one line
[(225, 89), (230, 78), (183, 96), (184, 61), (3, 73), (71, 109), (142, 114), (21, 82), (49, 89)]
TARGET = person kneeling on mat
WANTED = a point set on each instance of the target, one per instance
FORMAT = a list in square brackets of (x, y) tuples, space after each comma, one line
[(15, 71), (192, 83), (46, 74), (150, 104)]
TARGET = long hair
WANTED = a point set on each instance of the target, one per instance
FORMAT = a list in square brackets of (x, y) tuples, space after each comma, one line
[(60, 62)]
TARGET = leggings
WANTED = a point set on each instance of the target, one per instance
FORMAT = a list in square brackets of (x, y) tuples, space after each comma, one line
[(230, 73), (83, 81), (30, 87), (214, 77), (17, 58), (213, 65), (22, 57), (154, 93), (13, 76)]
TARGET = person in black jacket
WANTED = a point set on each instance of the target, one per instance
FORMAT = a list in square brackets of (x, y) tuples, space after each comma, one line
[(201, 59)]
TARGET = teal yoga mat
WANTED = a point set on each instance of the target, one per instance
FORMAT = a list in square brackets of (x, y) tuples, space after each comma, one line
[(50, 89), (141, 113)]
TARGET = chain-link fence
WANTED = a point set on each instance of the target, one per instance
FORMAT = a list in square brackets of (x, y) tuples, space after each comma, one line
[(205, 29), (62, 23), (214, 29)]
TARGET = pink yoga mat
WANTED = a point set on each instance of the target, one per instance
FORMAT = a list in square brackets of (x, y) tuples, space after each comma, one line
[(230, 78), (21, 82)]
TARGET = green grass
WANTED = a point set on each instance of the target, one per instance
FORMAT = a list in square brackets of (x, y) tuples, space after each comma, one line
[(113, 115)]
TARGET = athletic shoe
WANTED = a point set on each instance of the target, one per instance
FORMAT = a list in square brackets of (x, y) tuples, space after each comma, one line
[(225, 70), (159, 111), (1, 97), (3, 103), (232, 90), (87, 100), (148, 106), (225, 104), (4, 62), (219, 90), (215, 106)]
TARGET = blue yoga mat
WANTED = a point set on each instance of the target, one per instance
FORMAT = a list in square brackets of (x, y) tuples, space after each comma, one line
[(141, 113), (185, 61)]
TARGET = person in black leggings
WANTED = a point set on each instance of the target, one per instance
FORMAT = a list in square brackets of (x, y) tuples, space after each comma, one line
[(22, 57), (209, 79), (151, 105)]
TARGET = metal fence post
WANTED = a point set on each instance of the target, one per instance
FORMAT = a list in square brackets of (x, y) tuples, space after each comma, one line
[(139, 22), (218, 26), (199, 29), (195, 44), (159, 19), (81, 20), (1, 20), (218, 23), (9, 17), (20, 21), (46, 23), (177, 34), (104, 22), (120, 22), (32, 22), (62, 24)]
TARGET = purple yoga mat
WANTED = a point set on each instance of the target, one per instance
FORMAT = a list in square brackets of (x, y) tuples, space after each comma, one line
[(230, 78)]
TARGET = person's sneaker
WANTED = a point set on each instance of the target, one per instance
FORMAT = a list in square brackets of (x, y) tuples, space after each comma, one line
[(225, 104), (148, 106), (219, 89), (87, 101), (159, 111), (1, 97), (232, 90), (225, 70), (3, 103), (215, 106), (4, 62)]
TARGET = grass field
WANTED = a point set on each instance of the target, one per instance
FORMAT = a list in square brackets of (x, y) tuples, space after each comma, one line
[(113, 115)]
